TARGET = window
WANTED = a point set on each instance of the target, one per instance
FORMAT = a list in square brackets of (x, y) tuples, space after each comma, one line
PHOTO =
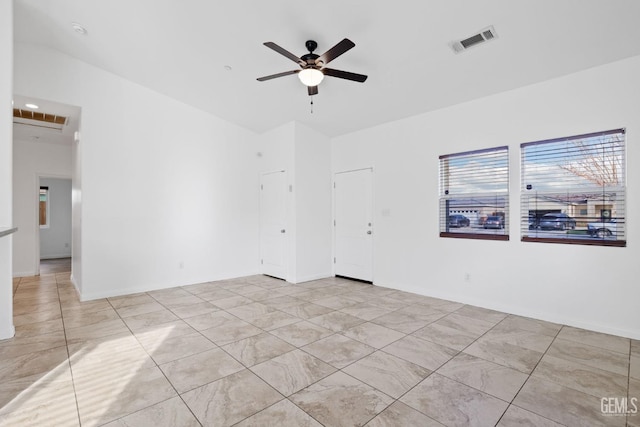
[(44, 207), (474, 194), (573, 189)]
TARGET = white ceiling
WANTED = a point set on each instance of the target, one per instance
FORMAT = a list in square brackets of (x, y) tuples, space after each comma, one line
[(180, 48)]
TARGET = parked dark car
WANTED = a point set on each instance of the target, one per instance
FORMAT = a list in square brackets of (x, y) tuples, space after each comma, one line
[(557, 221), (494, 222), (458, 221)]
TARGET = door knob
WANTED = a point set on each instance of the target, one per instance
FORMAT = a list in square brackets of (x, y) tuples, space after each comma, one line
[(369, 232), (282, 231)]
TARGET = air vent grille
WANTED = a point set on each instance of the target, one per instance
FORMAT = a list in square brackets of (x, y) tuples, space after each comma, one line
[(467, 43), (488, 35), (484, 35), (42, 117), (38, 119)]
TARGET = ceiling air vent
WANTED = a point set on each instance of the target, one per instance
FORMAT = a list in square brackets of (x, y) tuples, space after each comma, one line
[(483, 36), (37, 119)]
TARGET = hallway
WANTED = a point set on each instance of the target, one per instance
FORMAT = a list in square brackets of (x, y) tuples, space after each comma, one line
[(58, 265)]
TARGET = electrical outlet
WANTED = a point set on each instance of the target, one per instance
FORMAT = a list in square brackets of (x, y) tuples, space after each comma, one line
[(66, 245)]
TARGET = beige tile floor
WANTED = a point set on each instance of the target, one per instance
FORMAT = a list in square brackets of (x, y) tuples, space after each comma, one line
[(256, 351)]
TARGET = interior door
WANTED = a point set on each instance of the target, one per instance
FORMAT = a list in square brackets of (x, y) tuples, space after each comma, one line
[(273, 237), (353, 226)]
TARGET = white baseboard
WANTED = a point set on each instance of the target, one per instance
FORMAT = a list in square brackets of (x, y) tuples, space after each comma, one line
[(24, 273), (534, 314), (75, 286), (88, 296), (7, 332)]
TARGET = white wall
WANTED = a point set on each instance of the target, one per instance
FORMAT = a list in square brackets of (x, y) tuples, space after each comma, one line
[(76, 212), (31, 160), (586, 286), (6, 159), (277, 152), (304, 155), (313, 204), (163, 184), (55, 240)]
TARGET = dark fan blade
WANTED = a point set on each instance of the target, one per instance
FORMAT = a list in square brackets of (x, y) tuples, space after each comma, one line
[(313, 90), (284, 52), (274, 76), (344, 75), (335, 51)]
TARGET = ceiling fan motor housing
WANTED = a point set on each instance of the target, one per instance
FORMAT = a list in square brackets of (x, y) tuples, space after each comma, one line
[(311, 45), (310, 58)]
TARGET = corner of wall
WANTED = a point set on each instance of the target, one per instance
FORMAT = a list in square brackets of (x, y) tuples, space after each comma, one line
[(7, 329)]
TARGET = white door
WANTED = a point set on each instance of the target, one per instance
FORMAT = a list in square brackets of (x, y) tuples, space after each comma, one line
[(273, 237), (353, 202)]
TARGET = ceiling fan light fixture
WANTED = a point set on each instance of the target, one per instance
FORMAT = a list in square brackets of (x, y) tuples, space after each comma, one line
[(312, 66), (311, 76)]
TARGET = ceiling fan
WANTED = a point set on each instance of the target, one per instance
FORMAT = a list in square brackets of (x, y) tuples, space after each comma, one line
[(312, 67)]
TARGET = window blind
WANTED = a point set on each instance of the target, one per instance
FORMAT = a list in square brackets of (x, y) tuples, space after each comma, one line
[(574, 189), (474, 194)]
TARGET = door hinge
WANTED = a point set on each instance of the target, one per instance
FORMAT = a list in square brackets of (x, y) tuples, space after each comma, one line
[(334, 185), (261, 261), (261, 187), (334, 260), (334, 222)]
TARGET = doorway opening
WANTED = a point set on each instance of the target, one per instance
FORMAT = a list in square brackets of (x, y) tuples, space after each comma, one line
[(46, 164), (273, 220), (54, 266), (353, 224), (53, 243)]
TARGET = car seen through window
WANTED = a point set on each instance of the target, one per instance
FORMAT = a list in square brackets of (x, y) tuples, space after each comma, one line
[(458, 221)]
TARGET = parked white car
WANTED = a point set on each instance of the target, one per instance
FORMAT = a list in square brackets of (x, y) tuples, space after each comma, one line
[(602, 229)]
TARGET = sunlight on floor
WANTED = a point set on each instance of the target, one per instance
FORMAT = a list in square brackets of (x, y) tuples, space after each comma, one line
[(111, 374), (49, 401)]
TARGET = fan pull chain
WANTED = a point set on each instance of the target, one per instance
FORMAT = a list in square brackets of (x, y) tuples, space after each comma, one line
[(312, 105)]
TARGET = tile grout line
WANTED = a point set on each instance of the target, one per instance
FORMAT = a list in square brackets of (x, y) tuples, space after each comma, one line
[(529, 377), (156, 365), (250, 370), (626, 418), (230, 355), (66, 342), (382, 350), (296, 348), (355, 361), (432, 371)]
